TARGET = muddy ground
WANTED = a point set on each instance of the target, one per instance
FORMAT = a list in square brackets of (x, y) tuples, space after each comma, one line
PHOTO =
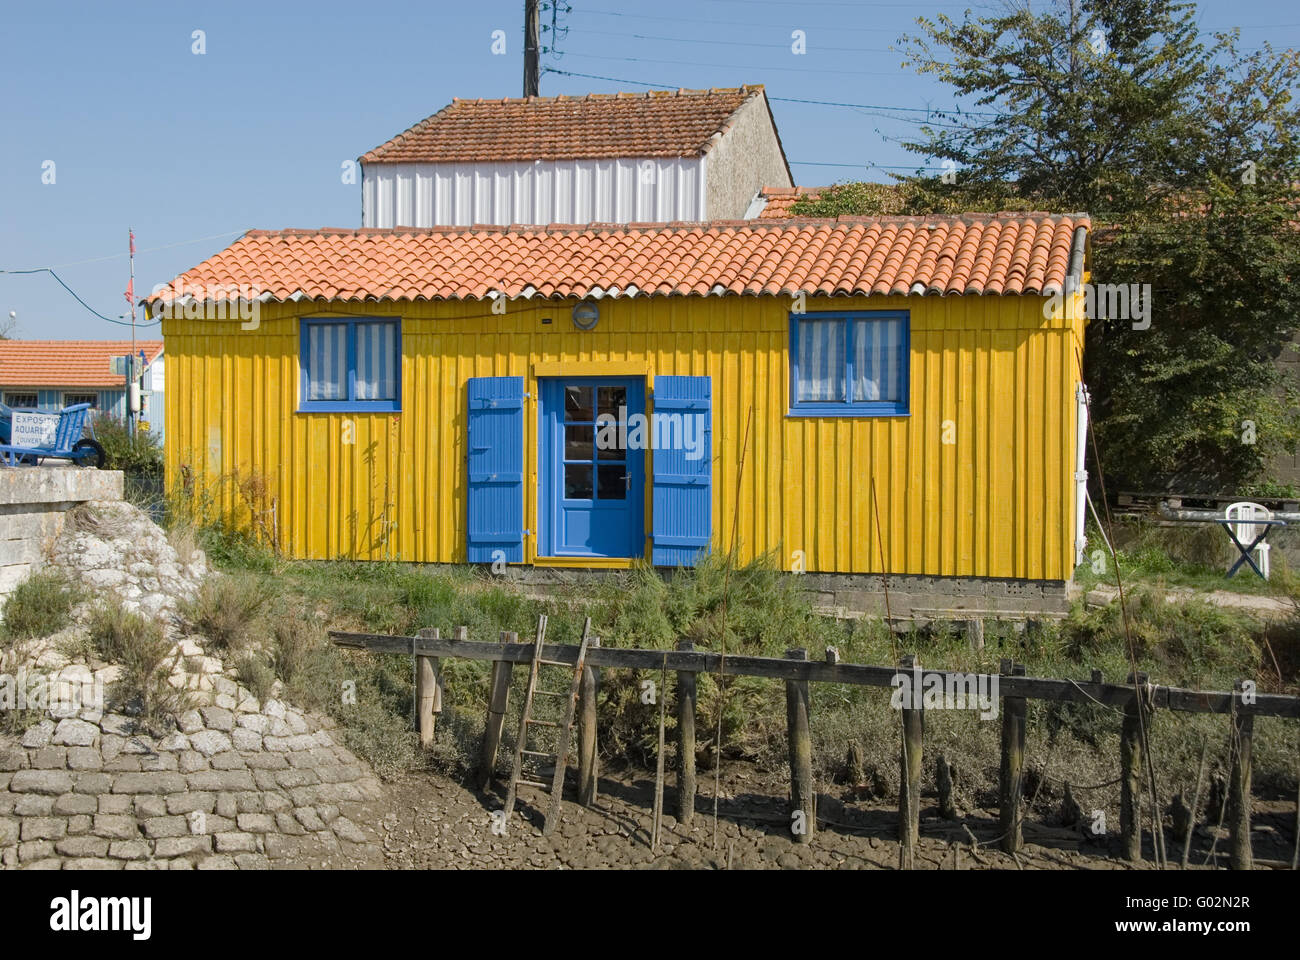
[(429, 821)]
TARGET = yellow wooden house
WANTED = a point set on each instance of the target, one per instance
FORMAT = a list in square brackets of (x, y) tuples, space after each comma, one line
[(850, 396)]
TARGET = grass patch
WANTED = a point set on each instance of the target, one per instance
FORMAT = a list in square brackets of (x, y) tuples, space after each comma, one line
[(38, 606), (1191, 644)]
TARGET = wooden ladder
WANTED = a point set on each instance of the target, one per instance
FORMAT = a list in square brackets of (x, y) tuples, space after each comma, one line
[(526, 723)]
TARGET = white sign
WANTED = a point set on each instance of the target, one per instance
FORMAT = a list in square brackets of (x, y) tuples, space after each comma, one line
[(33, 429)]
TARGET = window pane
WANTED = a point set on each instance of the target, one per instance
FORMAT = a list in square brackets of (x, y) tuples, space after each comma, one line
[(578, 403), (70, 399), (578, 442), (377, 361), (577, 481), (20, 399), (612, 400), (327, 361), (613, 481), (821, 361), (878, 358)]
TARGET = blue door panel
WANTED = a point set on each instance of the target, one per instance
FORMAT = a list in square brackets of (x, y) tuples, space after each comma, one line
[(592, 483), (496, 469), (682, 497)]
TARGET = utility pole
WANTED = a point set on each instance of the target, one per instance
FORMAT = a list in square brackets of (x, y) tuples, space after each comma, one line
[(130, 374), (532, 76)]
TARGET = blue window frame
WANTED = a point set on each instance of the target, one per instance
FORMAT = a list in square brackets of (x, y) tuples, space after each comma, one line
[(350, 365), (849, 364)]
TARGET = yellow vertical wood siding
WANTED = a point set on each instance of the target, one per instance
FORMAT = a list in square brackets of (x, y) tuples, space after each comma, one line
[(997, 501)]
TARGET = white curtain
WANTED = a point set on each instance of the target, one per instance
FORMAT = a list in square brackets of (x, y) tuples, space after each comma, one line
[(821, 361), (327, 361), (878, 360), (376, 361)]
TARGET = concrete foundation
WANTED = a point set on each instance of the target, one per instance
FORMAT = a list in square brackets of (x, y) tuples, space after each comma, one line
[(33, 504), (851, 596)]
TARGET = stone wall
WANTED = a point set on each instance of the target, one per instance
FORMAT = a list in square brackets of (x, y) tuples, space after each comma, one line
[(33, 504), (229, 789), (232, 782)]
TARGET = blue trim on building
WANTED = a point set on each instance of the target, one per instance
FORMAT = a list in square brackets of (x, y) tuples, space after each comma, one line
[(849, 407)]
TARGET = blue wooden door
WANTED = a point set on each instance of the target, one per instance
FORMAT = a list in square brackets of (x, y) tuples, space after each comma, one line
[(592, 497), (496, 469)]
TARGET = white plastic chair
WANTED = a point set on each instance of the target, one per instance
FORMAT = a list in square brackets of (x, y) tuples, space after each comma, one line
[(1240, 515)]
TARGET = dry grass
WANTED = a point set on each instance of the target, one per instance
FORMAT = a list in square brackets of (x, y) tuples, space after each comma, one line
[(226, 609), (142, 650)]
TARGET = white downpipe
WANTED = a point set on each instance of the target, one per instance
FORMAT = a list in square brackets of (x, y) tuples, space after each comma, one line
[(1080, 471)]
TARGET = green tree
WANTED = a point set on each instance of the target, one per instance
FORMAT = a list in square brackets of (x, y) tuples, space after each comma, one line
[(1186, 156)]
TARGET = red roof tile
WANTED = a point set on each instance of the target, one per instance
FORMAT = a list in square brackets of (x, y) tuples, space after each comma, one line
[(67, 363), (660, 123), (781, 199), (969, 254)]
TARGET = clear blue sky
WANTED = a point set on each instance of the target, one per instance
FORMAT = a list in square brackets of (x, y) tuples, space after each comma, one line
[(251, 134)]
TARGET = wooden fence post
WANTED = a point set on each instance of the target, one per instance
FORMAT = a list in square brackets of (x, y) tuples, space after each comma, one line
[(802, 792), (428, 689), (1130, 772), (498, 700), (909, 765), (685, 740), (588, 757), (1240, 854), (1012, 768)]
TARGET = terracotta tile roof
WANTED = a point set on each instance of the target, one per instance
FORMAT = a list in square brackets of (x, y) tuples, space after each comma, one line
[(969, 254), (67, 363), (660, 123), (781, 199)]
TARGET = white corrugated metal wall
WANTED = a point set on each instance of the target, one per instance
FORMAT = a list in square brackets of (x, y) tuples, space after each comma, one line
[(568, 191)]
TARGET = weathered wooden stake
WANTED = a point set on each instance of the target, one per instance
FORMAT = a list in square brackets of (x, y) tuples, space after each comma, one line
[(428, 689), (856, 763), (975, 634), (802, 791), (909, 766), (943, 783), (588, 758), (1240, 854), (498, 699), (1011, 770), (1130, 771), (685, 741)]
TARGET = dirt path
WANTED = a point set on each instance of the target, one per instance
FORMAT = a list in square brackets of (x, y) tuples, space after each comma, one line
[(432, 822)]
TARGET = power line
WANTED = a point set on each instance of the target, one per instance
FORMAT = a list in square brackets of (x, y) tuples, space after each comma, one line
[(76, 297), (824, 103), (114, 256), (733, 43), (957, 111), (733, 24), (736, 66)]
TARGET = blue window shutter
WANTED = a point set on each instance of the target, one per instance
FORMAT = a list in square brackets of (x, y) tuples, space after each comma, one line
[(496, 469), (682, 501)]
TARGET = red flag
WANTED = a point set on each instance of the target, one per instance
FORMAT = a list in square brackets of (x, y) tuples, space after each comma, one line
[(130, 292), (131, 233)]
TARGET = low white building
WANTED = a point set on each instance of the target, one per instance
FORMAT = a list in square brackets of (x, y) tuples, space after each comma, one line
[(602, 158)]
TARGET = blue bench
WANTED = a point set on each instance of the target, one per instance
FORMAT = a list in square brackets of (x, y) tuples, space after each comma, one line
[(68, 443)]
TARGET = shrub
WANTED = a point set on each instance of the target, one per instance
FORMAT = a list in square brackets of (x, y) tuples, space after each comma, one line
[(226, 608), (137, 456), (39, 606), (142, 650)]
